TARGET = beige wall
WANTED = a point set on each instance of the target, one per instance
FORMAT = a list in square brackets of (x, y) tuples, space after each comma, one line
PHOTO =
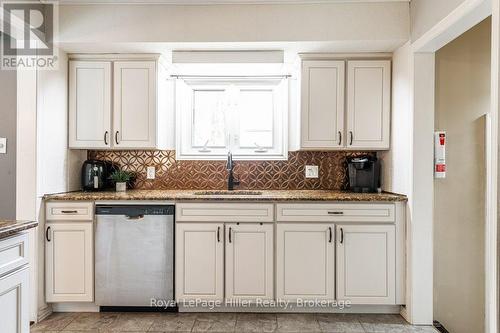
[(426, 13), (462, 99), (350, 22), (8, 107)]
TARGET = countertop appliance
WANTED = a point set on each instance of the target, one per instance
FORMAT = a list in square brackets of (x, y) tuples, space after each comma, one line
[(95, 175), (134, 257), (364, 174)]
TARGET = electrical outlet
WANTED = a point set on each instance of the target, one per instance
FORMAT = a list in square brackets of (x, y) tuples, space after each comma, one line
[(151, 172), (312, 171), (3, 145)]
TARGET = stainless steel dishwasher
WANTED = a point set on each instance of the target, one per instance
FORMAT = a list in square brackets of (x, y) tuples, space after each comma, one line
[(134, 256)]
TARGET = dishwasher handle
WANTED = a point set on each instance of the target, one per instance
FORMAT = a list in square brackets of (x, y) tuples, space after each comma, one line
[(134, 218)]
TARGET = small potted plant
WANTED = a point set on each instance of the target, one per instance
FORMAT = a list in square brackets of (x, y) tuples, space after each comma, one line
[(121, 178)]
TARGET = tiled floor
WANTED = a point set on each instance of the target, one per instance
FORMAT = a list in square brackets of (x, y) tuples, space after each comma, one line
[(224, 322)]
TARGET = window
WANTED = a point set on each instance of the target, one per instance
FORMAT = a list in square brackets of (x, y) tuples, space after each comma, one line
[(246, 116)]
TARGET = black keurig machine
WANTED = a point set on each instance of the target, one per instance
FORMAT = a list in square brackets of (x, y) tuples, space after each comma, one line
[(364, 174)]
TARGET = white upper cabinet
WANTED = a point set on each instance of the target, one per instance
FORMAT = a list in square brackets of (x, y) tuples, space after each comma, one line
[(117, 104), (368, 104), (134, 116), (366, 264), (89, 104), (322, 104), (356, 120)]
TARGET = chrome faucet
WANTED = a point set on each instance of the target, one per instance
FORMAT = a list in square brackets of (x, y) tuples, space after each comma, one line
[(231, 182)]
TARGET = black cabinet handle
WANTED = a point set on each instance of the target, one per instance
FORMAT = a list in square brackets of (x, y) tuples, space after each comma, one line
[(340, 138), (47, 234), (106, 138), (341, 236), (116, 137), (330, 231), (352, 137), (218, 234), (335, 213), (69, 211), (230, 240)]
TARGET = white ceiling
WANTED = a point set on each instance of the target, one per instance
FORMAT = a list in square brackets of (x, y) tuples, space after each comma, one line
[(216, 2)]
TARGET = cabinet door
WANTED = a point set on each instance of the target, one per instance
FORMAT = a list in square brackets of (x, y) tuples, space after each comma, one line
[(249, 261), (89, 104), (134, 113), (69, 262), (366, 259), (305, 261), (199, 261), (14, 302), (322, 124), (368, 104)]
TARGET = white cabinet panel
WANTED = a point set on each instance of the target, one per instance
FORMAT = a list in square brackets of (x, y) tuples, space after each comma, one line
[(322, 104), (89, 104), (13, 252), (335, 212), (134, 114), (199, 261), (305, 261), (69, 262), (224, 212), (249, 261), (368, 104), (14, 302), (366, 258), (69, 211)]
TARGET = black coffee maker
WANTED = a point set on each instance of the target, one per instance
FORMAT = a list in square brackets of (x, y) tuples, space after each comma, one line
[(95, 175), (364, 174)]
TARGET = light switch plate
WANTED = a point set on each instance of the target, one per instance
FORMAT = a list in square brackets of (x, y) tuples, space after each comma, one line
[(3, 145), (312, 171), (151, 172)]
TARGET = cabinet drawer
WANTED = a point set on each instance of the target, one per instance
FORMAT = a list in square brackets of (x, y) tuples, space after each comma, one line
[(64, 211), (336, 212), (224, 212), (13, 253)]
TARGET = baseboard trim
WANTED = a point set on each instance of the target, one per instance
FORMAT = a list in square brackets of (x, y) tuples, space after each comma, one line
[(377, 309), (44, 313), (75, 307), (440, 327)]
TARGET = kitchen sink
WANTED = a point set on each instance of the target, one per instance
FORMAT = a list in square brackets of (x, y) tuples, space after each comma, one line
[(240, 192)]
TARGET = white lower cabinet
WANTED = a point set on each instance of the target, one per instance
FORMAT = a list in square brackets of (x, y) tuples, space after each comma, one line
[(69, 262), (199, 261), (14, 302), (305, 261), (366, 264), (249, 261)]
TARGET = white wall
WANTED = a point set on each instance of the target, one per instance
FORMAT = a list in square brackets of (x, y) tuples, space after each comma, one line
[(53, 167), (396, 161), (349, 22), (462, 101), (426, 13)]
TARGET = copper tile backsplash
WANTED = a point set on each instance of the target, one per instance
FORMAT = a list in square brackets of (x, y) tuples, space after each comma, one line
[(269, 175)]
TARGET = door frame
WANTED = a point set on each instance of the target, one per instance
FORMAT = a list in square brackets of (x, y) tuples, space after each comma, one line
[(464, 17)]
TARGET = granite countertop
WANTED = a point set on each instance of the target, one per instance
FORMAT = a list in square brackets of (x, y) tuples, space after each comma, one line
[(10, 227), (247, 195)]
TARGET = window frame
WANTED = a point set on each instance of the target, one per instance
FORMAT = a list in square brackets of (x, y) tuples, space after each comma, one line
[(185, 90)]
